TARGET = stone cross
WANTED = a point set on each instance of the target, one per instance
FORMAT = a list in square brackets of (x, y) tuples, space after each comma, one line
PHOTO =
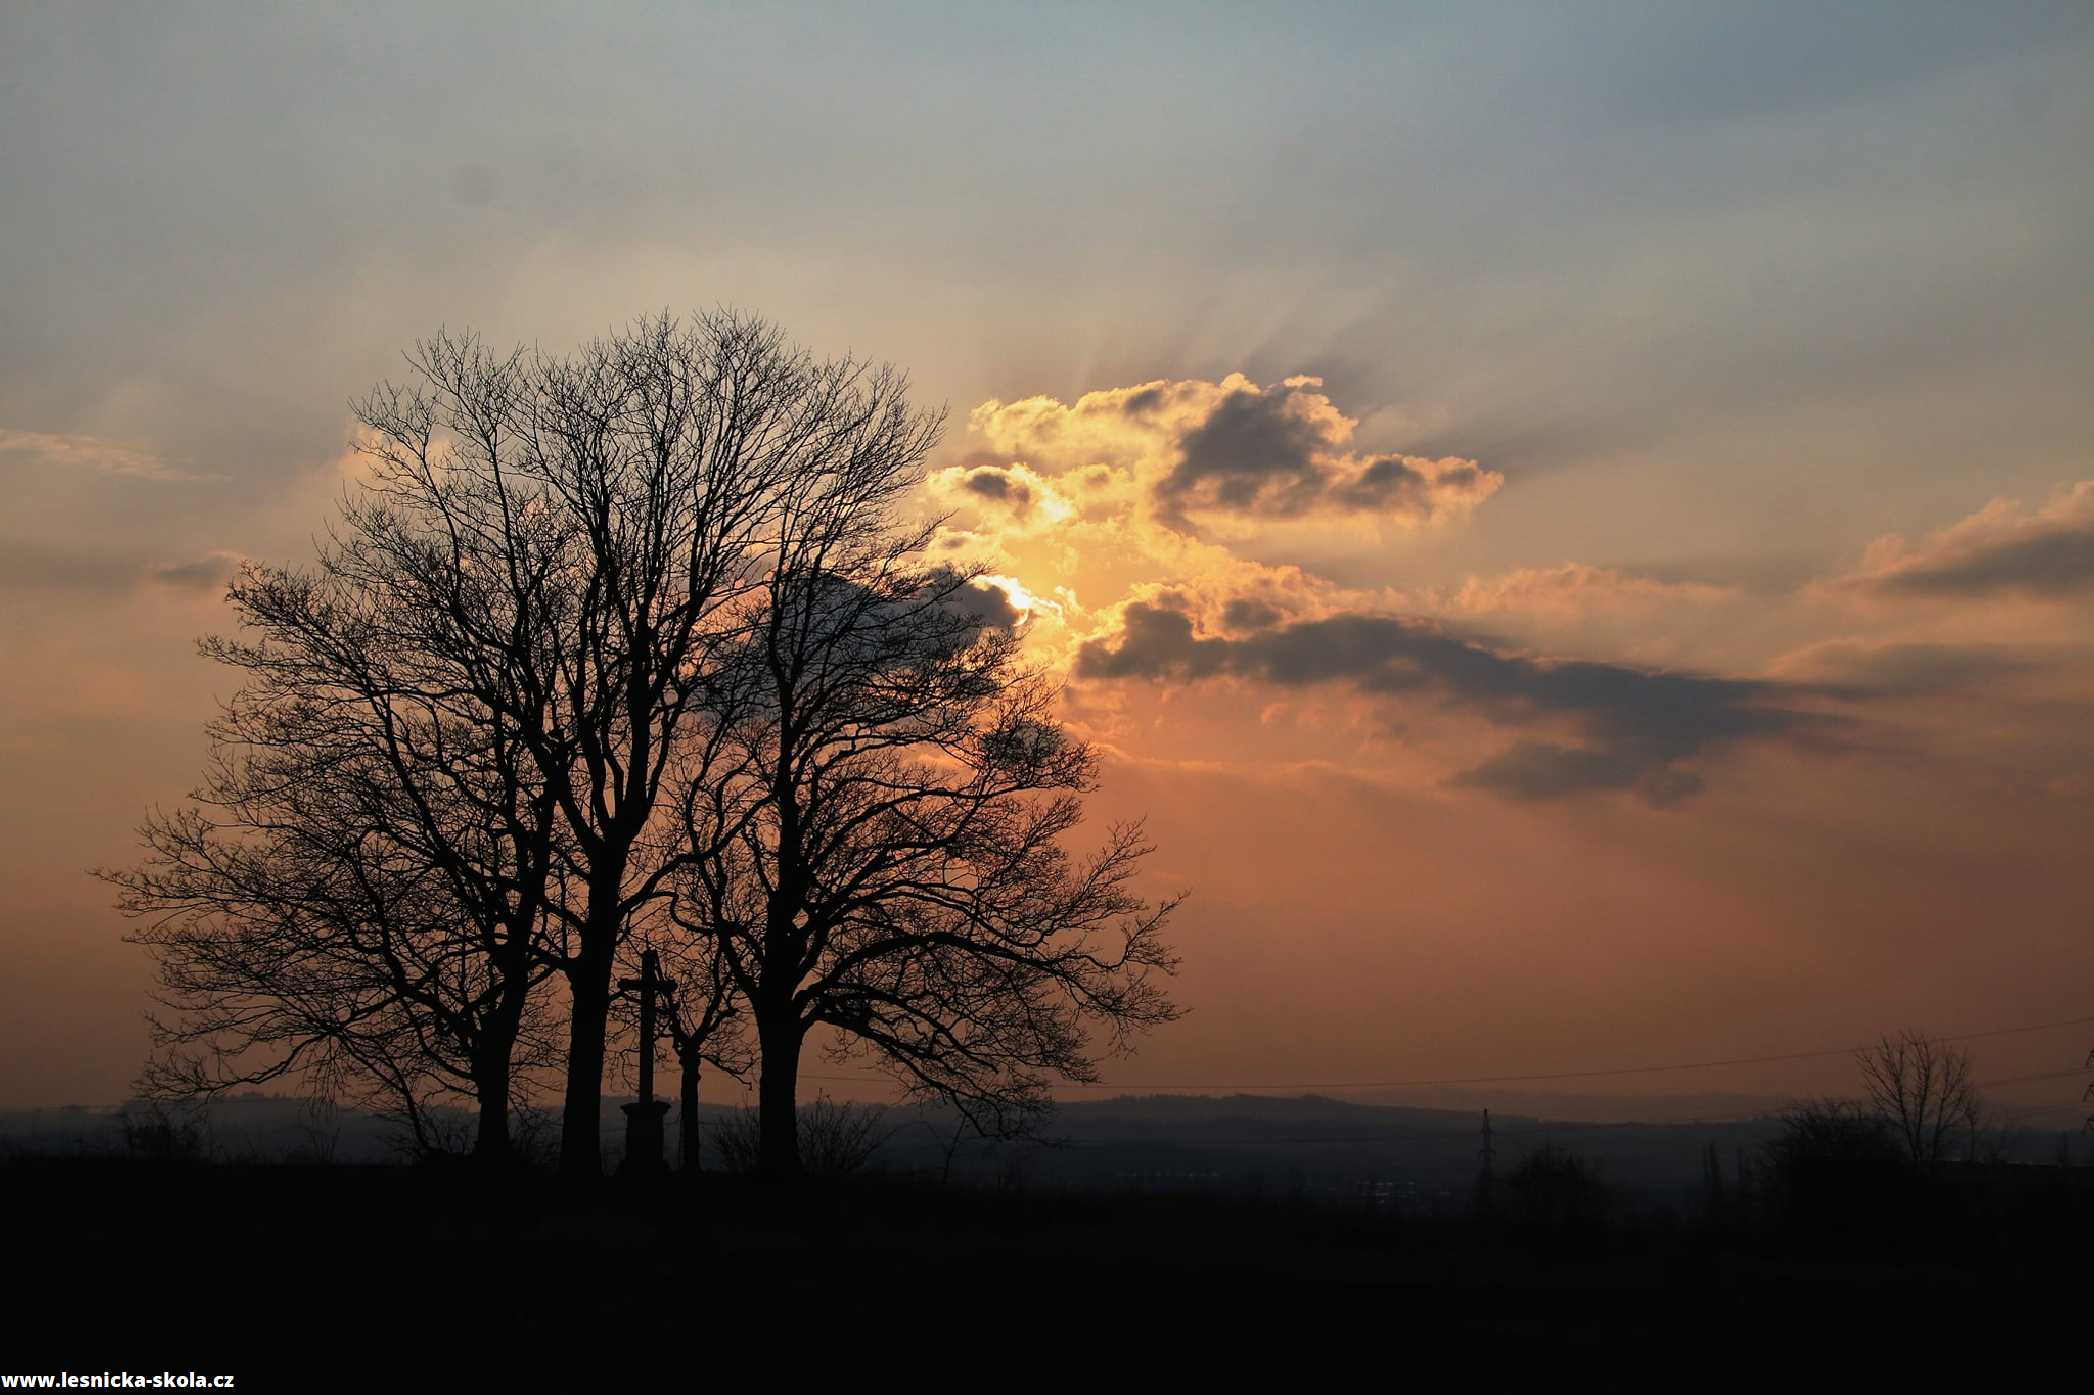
[(643, 1117)]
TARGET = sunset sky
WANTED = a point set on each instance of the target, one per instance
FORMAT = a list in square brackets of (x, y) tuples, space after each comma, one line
[(1575, 524)]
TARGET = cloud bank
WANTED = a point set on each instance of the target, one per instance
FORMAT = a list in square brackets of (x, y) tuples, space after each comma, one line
[(1636, 726), (2001, 549), (1177, 499)]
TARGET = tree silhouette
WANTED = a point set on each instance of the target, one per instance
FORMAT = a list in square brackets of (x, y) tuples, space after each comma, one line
[(876, 844), (361, 891), (631, 641), (579, 535), (459, 722), (1922, 1090)]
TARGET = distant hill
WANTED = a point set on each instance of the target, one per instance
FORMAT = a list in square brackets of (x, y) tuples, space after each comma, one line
[(1385, 1156), (1695, 1107)]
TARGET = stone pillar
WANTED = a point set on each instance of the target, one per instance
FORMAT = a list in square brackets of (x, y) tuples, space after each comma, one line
[(643, 1138)]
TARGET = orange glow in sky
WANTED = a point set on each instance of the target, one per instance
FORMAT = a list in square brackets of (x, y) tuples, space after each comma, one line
[(1578, 538)]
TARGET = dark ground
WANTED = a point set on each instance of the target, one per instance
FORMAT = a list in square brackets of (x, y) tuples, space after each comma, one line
[(337, 1277)]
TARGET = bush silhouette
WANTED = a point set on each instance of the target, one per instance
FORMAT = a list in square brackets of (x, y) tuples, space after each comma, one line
[(1557, 1190), (837, 1138), (1837, 1164)]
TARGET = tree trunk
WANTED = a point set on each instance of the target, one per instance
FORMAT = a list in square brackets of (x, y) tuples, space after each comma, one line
[(688, 1143), (581, 1115), (491, 1083), (778, 1115), (493, 1061)]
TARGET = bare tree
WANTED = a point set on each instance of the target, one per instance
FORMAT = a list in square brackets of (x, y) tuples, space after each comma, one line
[(1922, 1089), (704, 1030), (613, 508), (882, 854), (359, 893)]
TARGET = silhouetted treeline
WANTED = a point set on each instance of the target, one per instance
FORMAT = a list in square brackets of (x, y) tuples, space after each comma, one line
[(637, 650)]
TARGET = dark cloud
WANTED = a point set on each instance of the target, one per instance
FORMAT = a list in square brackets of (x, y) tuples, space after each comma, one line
[(1545, 770), (885, 625), (989, 607), (1012, 490), (1000, 485), (1918, 670), (1253, 453), (1275, 453), (1247, 613), (2057, 561), (1638, 723), (1390, 482), (1145, 401)]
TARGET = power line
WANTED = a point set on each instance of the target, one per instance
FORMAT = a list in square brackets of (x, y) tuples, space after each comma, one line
[(1518, 1079)]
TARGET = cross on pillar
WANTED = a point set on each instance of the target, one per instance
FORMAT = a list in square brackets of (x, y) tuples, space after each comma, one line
[(643, 1117)]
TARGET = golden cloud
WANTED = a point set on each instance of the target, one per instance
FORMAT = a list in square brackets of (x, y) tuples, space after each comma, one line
[(1214, 455)]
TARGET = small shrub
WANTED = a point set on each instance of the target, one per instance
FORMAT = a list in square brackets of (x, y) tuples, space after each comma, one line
[(836, 1138)]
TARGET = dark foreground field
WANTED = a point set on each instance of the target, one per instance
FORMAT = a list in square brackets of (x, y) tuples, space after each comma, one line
[(307, 1278)]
